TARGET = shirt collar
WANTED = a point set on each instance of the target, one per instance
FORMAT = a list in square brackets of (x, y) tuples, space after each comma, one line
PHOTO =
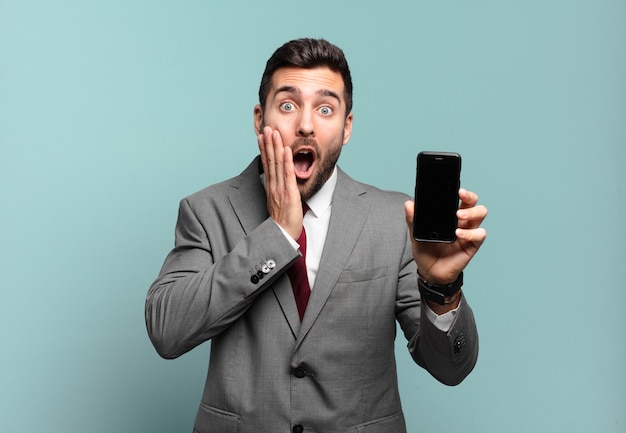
[(321, 200)]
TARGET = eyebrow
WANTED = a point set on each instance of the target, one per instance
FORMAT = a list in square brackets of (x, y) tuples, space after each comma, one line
[(297, 91)]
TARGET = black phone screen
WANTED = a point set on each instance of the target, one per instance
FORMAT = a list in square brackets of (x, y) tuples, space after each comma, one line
[(436, 196)]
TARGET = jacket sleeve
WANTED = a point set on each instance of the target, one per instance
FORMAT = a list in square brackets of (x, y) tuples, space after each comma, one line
[(448, 356), (200, 292)]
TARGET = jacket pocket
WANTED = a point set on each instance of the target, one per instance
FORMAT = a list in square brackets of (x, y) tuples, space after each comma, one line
[(211, 419), (356, 275), (389, 424)]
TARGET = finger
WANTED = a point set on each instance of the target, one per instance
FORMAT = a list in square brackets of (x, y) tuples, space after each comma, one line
[(468, 198), (476, 213), (289, 171), (274, 161), (279, 160), (471, 218), (409, 209), (475, 236), (261, 141), (268, 147)]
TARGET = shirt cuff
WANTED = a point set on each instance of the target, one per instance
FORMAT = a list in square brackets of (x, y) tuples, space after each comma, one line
[(291, 240), (442, 322)]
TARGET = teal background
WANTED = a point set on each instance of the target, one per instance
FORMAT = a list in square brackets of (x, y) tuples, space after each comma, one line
[(110, 112)]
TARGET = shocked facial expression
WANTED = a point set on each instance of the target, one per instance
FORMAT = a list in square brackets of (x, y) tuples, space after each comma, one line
[(307, 107)]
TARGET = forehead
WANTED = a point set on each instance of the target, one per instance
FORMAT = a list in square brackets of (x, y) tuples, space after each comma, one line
[(308, 81)]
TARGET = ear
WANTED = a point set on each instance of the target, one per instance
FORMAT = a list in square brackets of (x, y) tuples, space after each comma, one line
[(258, 118), (347, 128)]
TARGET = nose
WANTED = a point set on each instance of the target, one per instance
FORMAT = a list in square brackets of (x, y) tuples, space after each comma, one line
[(305, 124)]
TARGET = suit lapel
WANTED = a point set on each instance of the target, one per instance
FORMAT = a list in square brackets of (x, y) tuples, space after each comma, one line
[(248, 201), (247, 197), (346, 222), (349, 213)]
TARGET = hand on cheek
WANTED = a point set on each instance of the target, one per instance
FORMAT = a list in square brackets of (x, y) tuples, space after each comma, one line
[(283, 197)]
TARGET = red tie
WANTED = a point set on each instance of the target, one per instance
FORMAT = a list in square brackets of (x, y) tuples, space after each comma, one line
[(298, 276)]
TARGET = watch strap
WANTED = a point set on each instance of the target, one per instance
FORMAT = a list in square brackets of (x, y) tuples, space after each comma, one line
[(439, 293)]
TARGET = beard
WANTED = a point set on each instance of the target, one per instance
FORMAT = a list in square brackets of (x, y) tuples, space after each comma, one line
[(325, 166)]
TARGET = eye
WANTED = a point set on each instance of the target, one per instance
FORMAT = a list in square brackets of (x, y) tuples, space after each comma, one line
[(326, 111), (287, 106)]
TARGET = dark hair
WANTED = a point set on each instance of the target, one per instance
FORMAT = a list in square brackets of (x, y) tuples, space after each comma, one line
[(307, 53)]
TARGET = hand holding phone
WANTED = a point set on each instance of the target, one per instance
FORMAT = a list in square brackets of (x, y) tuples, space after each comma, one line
[(437, 186)]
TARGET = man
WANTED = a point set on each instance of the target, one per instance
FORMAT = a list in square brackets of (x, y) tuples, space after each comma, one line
[(281, 362)]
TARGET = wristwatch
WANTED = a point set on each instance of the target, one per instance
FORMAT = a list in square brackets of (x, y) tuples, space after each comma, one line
[(440, 294)]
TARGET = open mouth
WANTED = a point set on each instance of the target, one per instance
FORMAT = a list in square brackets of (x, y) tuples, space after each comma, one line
[(303, 163)]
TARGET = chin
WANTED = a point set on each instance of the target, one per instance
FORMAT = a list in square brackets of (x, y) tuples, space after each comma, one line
[(308, 187)]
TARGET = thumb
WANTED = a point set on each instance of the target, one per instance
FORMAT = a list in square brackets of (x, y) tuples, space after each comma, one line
[(409, 209)]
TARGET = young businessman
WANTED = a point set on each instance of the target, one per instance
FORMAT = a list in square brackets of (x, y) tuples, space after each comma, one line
[(299, 348)]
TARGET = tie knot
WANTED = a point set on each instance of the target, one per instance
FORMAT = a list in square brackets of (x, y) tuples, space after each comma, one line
[(305, 208)]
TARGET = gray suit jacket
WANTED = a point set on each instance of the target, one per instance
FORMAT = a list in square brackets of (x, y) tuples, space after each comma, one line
[(225, 281)]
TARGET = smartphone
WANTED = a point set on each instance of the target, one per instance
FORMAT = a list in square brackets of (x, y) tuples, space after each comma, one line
[(437, 182)]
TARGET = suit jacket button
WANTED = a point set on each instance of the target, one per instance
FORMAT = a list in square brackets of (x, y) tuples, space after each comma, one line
[(459, 342), (260, 275), (254, 279), (297, 428), (299, 372)]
